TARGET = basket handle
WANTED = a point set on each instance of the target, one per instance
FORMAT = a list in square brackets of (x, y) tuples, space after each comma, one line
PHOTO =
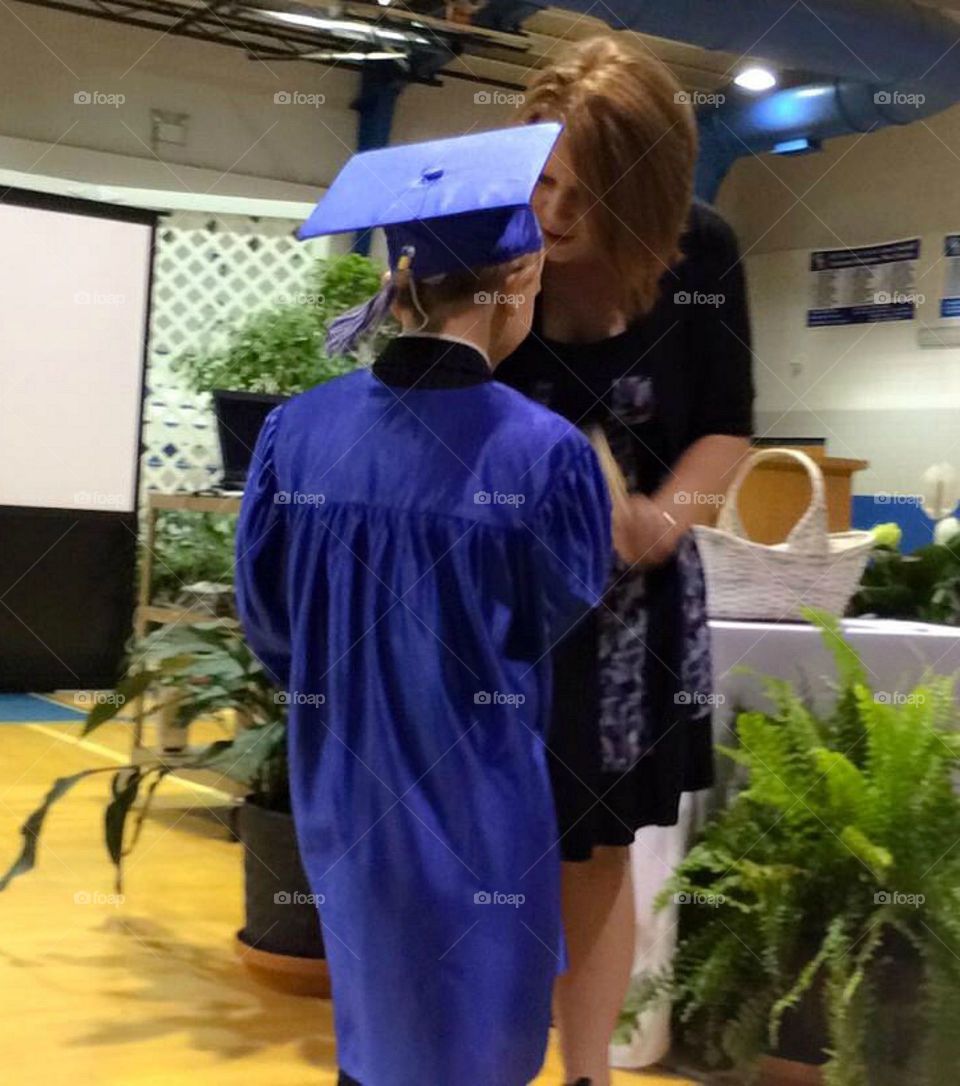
[(809, 534)]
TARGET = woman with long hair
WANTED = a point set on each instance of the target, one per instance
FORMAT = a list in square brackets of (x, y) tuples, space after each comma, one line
[(641, 330)]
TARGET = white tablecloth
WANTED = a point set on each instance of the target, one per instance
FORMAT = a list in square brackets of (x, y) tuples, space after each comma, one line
[(895, 656)]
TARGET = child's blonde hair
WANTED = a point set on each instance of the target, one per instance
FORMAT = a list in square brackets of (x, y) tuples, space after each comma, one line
[(454, 291)]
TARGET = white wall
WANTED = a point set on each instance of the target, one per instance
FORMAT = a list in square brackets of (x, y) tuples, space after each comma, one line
[(869, 389), (241, 142), (236, 129), (46, 57)]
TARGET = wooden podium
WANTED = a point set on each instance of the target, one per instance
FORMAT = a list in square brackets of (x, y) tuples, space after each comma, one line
[(775, 494)]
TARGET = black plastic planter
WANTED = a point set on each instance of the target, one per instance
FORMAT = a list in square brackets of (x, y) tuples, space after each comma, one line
[(281, 942)]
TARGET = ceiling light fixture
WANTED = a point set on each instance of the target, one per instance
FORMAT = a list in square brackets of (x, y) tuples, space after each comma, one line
[(756, 79), (360, 57), (349, 28)]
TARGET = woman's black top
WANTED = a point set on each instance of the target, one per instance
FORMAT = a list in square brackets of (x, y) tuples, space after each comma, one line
[(631, 718)]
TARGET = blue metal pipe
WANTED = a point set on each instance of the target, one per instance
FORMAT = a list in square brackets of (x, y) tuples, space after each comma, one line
[(380, 87)]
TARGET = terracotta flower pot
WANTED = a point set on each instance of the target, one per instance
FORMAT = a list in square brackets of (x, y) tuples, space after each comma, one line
[(777, 1072)]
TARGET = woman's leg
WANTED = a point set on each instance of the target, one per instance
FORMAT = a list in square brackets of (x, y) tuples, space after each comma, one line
[(599, 924)]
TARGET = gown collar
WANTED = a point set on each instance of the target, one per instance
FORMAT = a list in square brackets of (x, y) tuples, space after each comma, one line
[(431, 361)]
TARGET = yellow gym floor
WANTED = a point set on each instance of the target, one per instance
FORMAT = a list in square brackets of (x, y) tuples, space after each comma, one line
[(146, 991)]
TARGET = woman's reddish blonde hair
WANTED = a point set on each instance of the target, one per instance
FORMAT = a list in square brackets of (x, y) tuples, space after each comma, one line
[(633, 136)]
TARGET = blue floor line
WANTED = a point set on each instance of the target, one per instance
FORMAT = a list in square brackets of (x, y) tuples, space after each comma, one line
[(21, 708)]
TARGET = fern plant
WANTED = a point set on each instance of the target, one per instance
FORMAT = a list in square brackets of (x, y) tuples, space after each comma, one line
[(833, 876)]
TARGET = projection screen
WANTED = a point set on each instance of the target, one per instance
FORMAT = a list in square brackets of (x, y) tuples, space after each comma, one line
[(74, 302)]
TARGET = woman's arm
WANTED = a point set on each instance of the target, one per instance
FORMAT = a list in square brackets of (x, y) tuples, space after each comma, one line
[(646, 531), (719, 352)]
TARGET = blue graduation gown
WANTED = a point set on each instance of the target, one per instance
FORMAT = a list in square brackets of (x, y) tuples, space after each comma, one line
[(412, 541)]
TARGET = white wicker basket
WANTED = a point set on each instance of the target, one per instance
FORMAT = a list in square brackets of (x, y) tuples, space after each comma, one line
[(812, 567)]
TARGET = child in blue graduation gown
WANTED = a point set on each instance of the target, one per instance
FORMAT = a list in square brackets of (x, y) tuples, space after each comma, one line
[(413, 539)]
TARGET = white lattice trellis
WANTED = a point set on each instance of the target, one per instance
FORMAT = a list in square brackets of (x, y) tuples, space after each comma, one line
[(210, 271)]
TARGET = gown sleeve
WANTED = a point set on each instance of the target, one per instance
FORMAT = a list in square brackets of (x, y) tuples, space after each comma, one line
[(571, 544), (261, 559)]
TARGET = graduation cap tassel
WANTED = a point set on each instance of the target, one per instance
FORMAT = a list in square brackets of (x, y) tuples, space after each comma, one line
[(346, 331)]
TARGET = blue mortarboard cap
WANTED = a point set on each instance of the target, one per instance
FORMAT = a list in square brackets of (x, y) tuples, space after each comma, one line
[(461, 203)]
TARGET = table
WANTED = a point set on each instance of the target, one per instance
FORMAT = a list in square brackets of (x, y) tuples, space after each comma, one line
[(895, 655)]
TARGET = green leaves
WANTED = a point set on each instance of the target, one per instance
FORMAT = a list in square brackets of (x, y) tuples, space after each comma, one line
[(203, 667), (878, 859), (31, 828), (281, 349), (243, 758), (191, 547), (923, 585), (849, 667), (846, 788), (845, 831)]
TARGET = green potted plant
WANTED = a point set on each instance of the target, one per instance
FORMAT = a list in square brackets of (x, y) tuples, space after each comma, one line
[(923, 585), (195, 671), (820, 910), (191, 551), (278, 349), (281, 349)]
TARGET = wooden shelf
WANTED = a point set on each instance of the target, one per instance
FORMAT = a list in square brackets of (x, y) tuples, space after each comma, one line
[(195, 503), (148, 613), (160, 613)]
